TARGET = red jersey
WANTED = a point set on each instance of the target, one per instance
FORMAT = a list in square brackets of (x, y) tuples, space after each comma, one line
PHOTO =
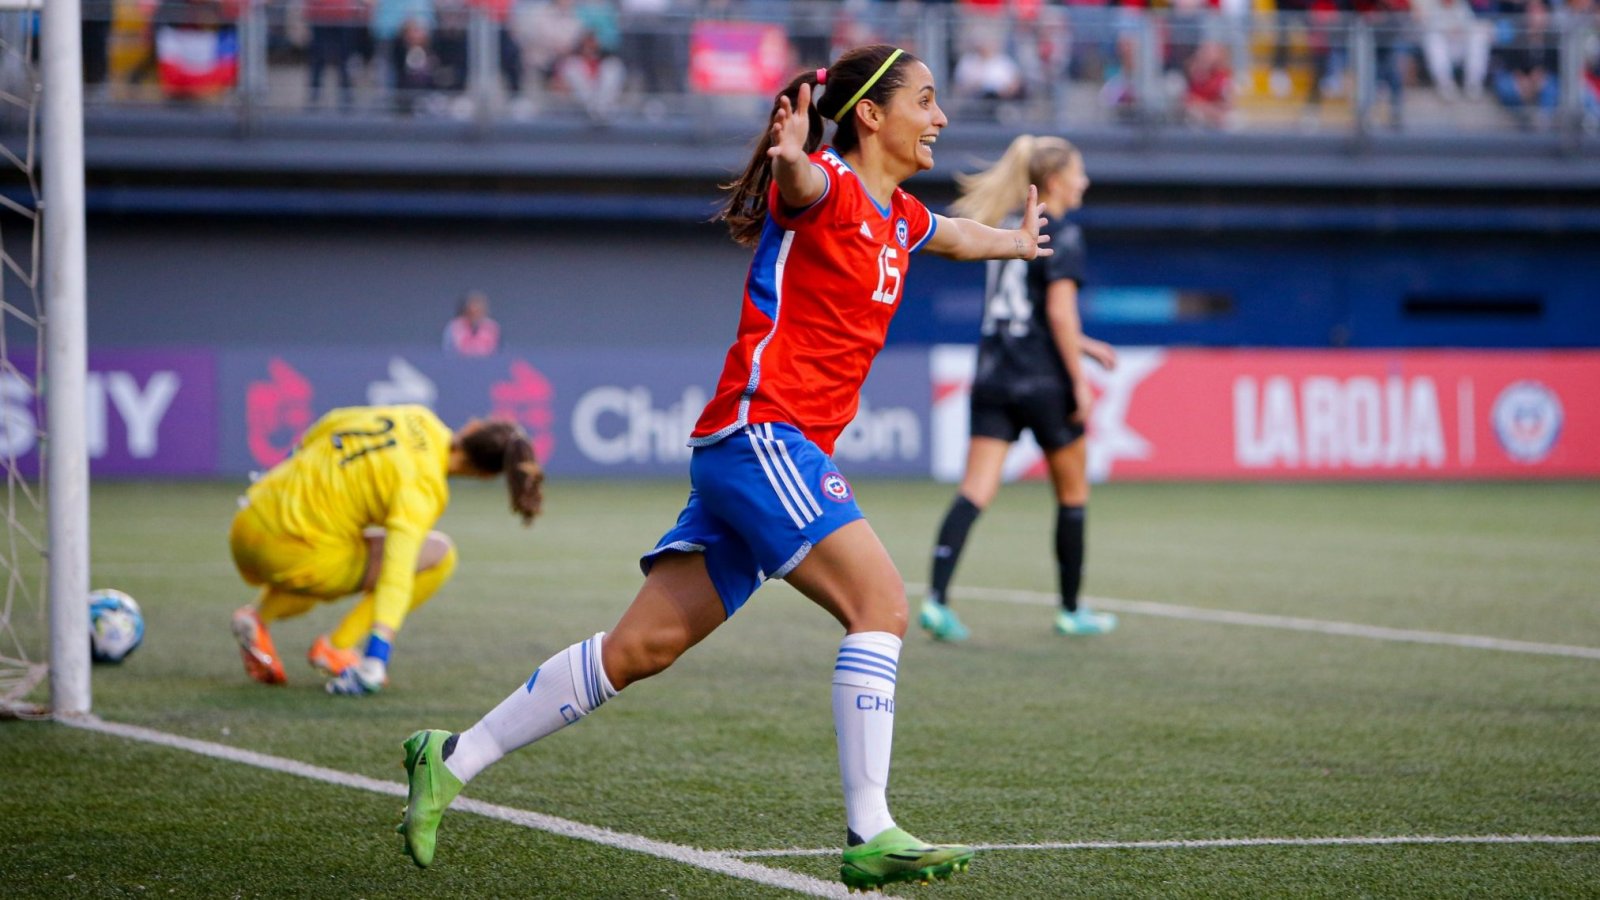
[(822, 288)]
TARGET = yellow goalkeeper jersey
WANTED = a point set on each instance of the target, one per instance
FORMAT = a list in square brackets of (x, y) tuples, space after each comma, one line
[(360, 466)]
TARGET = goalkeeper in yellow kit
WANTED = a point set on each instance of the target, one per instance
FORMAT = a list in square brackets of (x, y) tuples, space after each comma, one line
[(352, 511)]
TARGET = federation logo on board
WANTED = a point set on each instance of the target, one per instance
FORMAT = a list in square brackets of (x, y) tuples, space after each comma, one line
[(902, 230), (835, 488), (1527, 420)]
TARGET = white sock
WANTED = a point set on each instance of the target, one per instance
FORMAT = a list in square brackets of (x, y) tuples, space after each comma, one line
[(863, 721), (569, 686)]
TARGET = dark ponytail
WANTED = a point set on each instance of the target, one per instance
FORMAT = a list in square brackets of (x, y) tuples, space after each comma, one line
[(500, 446), (746, 209)]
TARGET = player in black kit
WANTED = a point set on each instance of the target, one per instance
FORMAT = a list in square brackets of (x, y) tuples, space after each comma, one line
[(1029, 375)]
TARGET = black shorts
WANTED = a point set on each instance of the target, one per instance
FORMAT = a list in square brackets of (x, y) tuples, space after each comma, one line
[(1048, 414)]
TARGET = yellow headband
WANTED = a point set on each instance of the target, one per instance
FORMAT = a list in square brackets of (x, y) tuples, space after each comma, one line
[(839, 116)]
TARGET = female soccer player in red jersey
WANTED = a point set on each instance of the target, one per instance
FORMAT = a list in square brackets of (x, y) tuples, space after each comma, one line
[(832, 233), (1028, 376)]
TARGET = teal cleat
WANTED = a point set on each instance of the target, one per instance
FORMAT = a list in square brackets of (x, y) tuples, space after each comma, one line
[(1084, 621), (942, 623), (894, 856), (431, 789)]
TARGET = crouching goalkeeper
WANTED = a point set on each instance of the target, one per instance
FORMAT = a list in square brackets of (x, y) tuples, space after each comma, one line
[(352, 511)]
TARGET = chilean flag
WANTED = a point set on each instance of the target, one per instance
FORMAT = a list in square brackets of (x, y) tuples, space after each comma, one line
[(197, 61)]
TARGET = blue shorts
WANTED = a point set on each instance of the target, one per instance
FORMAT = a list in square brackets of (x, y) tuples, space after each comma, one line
[(759, 500)]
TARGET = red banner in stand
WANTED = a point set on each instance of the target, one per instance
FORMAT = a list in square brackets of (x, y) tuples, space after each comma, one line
[(1264, 414), (739, 58)]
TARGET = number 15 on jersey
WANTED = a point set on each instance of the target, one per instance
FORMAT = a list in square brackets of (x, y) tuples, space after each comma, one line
[(888, 277)]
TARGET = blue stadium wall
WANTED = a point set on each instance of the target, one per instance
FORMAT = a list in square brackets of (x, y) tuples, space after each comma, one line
[(1165, 277)]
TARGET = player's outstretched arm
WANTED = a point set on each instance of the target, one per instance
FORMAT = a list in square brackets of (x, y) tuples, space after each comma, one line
[(968, 239)]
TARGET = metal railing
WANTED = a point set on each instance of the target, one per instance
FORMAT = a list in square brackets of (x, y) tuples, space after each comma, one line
[(1062, 67)]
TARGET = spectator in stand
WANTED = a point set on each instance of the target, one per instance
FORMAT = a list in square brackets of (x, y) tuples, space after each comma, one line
[(985, 73), (96, 47), (1527, 75), (1390, 21), (1325, 41), (554, 35), (472, 332), (594, 78), (549, 31), (416, 71), (1289, 15), (337, 29), (389, 19), (1585, 14), (449, 40), (1453, 35), (654, 46), (1209, 76)]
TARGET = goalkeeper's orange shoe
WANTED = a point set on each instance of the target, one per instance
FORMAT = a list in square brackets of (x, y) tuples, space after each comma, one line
[(261, 660), (328, 659)]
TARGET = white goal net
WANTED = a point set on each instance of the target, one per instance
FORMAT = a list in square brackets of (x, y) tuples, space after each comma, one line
[(24, 632)]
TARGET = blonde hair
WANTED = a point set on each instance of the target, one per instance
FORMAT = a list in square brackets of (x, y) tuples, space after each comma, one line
[(992, 194)]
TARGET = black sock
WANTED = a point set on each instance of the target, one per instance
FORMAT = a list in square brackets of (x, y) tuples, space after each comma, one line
[(952, 538), (1069, 553), (449, 746)]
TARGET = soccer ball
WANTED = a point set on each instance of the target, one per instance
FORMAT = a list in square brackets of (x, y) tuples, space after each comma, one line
[(116, 626)]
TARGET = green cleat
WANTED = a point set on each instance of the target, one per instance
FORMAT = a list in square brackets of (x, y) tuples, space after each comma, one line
[(431, 789), (941, 622), (895, 856), (1083, 622)]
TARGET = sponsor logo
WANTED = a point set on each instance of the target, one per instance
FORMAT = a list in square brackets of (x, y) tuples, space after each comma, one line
[(406, 384), (885, 434), (902, 230), (526, 396), (277, 411), (1527, 420), (835, 488), (1324, 422), (615, 425)]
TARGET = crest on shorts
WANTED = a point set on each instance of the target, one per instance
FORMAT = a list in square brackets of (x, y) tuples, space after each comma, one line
[(835, 488), (902, 230), (1527, 420)]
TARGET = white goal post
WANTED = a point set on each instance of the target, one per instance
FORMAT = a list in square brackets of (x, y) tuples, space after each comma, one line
[(66, 356)]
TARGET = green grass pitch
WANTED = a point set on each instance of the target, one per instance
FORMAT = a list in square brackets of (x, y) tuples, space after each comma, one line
[(1166, 730)]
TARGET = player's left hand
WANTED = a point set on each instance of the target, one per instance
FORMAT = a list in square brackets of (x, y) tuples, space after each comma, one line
[(1029, 242), (1083, 400), (1099, 351)]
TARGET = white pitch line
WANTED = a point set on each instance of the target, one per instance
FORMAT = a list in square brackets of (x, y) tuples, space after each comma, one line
[(1290, 623), (714, 861), (1378, 840)]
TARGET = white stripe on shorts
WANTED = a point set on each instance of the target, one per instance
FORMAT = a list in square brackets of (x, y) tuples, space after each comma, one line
[(794, 471), (779, 486), (785, 465), (783, 476)]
